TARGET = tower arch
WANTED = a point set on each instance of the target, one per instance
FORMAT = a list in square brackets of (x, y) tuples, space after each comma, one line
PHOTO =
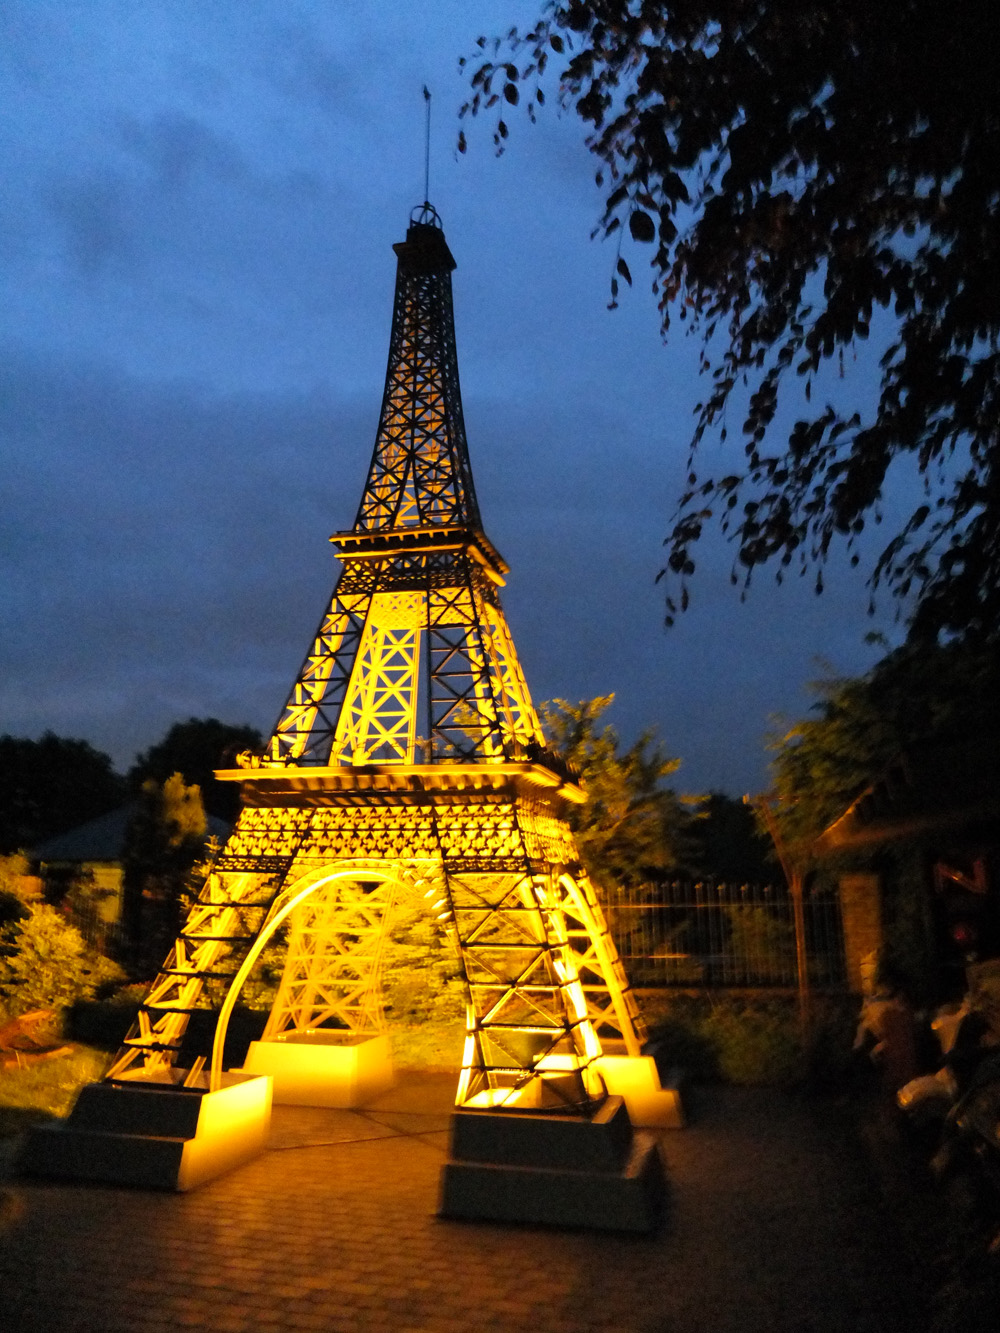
[(339, 919)]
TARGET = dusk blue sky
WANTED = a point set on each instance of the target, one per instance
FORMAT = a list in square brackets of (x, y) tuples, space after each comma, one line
[(196, 224)]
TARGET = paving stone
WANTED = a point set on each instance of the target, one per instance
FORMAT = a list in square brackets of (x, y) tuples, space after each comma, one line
[(770, 1230)]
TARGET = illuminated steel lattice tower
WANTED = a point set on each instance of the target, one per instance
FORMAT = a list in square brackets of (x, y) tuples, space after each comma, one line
[(408, 759)]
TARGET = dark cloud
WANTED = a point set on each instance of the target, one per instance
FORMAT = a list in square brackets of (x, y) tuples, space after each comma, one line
[(300, 63), (176, 147), (157, 535), (95, 221), (170, 558)]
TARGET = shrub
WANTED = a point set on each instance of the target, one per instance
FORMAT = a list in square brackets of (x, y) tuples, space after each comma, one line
[(766, 943), (675, 1026), (104, 1024), (14, 891), (38, 1092), (755, 1043), (45, 964), (729, 1037)]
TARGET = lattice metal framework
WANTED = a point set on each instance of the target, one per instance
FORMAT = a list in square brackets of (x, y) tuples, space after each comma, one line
[(409, 759), (420, 475), (413, 659), (331, 977)]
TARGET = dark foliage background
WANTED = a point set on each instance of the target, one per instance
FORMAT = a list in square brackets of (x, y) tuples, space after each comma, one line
[(806, 176), (50, 785)]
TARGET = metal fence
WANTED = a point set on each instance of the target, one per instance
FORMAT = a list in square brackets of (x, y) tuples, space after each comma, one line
[(97, 933), (703, 935)]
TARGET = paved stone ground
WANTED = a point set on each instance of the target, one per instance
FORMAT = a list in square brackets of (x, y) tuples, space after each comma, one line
[(772, 1228)]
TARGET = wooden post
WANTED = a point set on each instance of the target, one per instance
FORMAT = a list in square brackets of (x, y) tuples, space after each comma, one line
[(794, 879), (801, 957)]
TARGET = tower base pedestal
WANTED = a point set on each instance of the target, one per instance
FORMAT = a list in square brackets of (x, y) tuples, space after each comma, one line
[(637, 1079), (154, 1136), (554, 1170), (323, 1067)]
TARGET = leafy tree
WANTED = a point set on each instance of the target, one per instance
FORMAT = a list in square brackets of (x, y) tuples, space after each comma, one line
[(82, 898), (45, 964), (912, 696), (13, 898), (800, 172), (728, 844), (194, 749), (164, 842), (630, 828), (939, 699), (51, 785), (16, 880)]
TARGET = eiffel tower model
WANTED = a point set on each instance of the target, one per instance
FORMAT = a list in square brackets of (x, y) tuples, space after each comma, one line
[(407, 763)]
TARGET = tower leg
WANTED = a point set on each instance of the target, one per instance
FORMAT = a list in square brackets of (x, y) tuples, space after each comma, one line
[(154, 1137), (625, 1070), (534, 1138)]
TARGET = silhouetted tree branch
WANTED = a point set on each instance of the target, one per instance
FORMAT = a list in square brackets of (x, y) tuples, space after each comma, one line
[(794, 170)]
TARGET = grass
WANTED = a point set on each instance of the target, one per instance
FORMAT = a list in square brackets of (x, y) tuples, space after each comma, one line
[(46, 1089)]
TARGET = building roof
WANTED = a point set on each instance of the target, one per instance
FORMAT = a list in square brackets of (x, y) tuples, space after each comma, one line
[(942, 786), (103, 839)]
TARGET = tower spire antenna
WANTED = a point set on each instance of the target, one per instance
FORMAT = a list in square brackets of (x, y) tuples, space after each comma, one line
[(427, 146)]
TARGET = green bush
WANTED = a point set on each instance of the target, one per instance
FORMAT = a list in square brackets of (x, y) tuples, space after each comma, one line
[(104, 1024), (749, 1041), (45, 964), (12, 908), (764, 941), (728, 1037), (13, 898), (755, 1043)]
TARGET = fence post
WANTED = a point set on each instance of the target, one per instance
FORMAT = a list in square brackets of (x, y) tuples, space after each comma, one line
[(801, 957), (793, 877)]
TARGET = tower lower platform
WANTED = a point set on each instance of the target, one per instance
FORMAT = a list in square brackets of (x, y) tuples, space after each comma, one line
[(650, 1103)]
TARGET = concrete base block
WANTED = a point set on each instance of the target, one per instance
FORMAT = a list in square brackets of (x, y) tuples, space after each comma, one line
[(323, 1068), (554, 1170), (153, 1136), (636, 1078)]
